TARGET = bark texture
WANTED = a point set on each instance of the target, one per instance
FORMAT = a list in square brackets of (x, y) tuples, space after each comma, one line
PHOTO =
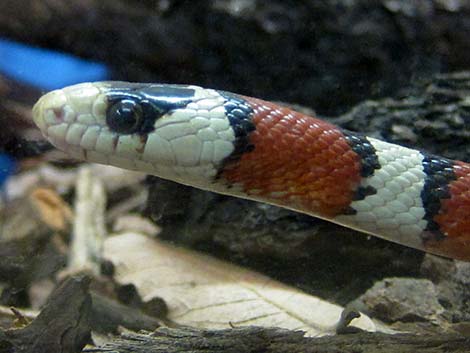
[(279, 341)]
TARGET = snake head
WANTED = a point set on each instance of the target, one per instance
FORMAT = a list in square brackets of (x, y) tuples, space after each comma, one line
[(174, 131)]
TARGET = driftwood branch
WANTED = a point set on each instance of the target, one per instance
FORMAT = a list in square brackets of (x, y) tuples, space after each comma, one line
[(253, 339), (108, 315), (62, 326)]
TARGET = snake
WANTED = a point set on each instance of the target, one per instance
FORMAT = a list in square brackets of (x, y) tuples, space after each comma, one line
[(255, 149)]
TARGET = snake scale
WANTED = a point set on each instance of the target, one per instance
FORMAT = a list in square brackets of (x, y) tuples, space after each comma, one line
[(254, 149)]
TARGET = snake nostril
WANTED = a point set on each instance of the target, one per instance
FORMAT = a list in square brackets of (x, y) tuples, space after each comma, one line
[(59, 114)]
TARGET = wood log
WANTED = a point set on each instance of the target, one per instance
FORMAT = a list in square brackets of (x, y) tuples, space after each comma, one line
[(253, 339)]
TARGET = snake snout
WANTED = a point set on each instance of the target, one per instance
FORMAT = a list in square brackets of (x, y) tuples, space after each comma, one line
[(66, 105), (49, 110), (64, 115)]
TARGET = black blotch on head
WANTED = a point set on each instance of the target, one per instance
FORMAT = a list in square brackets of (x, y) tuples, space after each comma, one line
[(149, 103), (439, 173)]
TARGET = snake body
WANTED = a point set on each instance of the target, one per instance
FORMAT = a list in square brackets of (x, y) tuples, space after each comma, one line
[(254, 149)]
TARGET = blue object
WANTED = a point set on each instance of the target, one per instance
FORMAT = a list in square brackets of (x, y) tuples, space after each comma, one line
[(47, 69), (7, 167)]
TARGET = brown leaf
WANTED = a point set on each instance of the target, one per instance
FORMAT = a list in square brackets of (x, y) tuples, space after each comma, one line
[(53, 210), (204, 292)]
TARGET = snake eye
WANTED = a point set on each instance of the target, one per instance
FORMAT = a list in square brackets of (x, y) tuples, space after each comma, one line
[(124, 116)]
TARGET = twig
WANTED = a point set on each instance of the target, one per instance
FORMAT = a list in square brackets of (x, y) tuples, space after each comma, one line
[(89, 225)]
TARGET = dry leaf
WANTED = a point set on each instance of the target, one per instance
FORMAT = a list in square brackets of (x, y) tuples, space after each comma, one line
[(204, 292), (54, 211)]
